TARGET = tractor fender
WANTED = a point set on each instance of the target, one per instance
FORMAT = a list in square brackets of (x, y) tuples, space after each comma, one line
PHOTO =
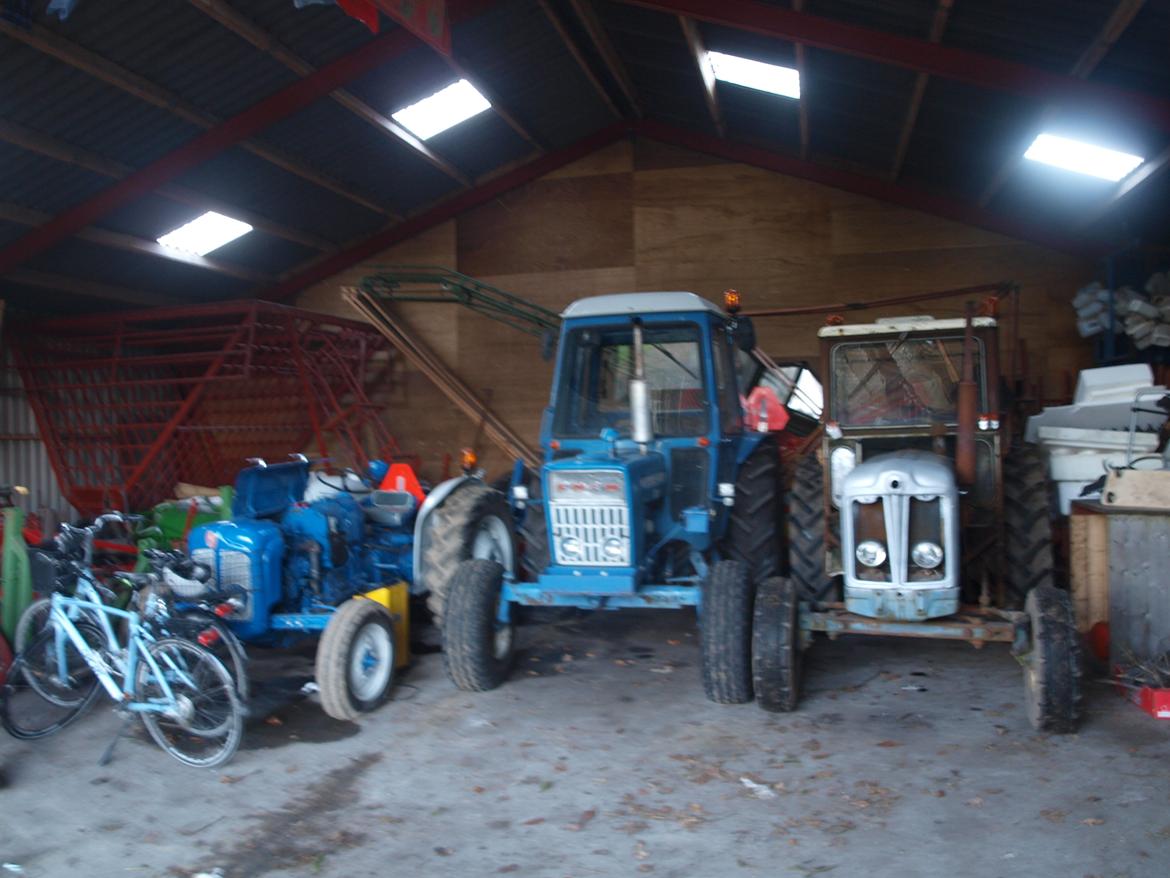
[(422, 527)]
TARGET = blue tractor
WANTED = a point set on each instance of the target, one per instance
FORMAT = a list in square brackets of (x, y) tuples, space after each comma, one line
[(304, 553), (653, 493)]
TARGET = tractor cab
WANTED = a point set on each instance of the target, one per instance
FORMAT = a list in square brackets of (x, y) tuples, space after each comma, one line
[(905, 475), (642, 438)]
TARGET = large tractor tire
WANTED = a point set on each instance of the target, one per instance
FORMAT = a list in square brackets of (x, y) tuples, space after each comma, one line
[(1027, 523), (1052, 665), (355, 659), (474, 522), (805, 502), (776, 652), (753, 534), (478, 648), (725, 633), (534, 535)]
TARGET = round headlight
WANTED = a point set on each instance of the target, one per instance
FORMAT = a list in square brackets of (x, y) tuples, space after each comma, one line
[(613, 548), (571, 546), (926, 554), (871, 553)]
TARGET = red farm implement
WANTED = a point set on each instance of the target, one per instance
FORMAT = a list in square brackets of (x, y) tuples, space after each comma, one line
[(129, 404)]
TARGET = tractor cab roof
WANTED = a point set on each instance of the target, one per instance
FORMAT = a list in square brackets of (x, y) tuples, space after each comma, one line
[(639, 303), (904, 324)]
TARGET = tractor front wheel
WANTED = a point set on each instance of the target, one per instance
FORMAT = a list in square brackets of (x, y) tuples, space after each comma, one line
[(1027, 523), (355, 659), (725, 633), (1052, 665), (776, 652), (474, 522), (477, 643), (806, 530)]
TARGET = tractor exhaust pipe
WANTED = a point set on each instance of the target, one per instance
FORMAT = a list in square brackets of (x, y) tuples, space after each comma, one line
[(968, 404), (641, 422)]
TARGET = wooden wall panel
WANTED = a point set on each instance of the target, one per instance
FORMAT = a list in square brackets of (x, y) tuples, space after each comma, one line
[(553, 224), (647, 216)]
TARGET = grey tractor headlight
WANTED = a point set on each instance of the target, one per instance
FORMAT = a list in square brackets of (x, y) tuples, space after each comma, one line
[(571, 547), (614, 548), (927, 555), (871, 553)]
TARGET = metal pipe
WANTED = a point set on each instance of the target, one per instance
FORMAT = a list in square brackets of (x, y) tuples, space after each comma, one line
[(968, 401), (642, 427)]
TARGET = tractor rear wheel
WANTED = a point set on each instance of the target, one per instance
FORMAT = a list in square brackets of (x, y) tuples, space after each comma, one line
[(1027, 523), (477, 645), (753, 534), (355, 659), (805, 502), (725, 633), (1052, 665), (474, 522), (776, 652)]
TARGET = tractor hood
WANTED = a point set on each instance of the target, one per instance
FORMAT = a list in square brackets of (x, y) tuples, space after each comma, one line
[(265, 491), (901, 472)]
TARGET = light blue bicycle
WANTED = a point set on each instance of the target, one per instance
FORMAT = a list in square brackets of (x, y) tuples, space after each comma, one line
[(183, 693)]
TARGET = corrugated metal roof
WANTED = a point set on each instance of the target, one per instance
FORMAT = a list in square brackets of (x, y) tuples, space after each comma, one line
[(240, 177), (51, 97), (23, 458), (855, 108), (179, 48), (138, 271)]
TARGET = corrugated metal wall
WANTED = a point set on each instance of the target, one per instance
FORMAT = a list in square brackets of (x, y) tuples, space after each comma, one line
[(23, 459)]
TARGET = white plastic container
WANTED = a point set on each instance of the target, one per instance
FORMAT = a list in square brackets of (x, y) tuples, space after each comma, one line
[(1112, 383)]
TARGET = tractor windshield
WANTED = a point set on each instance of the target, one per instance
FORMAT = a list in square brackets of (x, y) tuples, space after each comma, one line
[(596, 367), (900, 382)]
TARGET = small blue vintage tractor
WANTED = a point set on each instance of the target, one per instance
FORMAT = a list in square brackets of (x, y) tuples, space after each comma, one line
[(310, 554), (652, 494)]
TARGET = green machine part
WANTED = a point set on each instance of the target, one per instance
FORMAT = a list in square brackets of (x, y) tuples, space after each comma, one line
[(15, 574)]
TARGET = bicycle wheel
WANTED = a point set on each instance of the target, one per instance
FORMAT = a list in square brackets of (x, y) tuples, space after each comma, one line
[(25, 709), (41, 672), (204, 725), (32, 622), (217, 636)]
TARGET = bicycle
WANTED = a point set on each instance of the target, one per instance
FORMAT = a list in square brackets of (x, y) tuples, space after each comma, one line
[(184, 695), (197, 619)]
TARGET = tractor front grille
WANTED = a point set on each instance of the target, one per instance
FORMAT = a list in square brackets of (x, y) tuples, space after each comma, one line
[(592, 527), (230, 568)]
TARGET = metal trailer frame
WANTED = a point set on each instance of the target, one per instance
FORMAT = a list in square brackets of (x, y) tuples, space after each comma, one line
[(130, 403)]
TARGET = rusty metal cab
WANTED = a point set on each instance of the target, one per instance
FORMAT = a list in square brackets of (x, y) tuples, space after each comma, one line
[(891, 443)]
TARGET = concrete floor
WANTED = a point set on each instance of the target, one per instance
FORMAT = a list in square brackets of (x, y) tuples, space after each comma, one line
[(601, 757)]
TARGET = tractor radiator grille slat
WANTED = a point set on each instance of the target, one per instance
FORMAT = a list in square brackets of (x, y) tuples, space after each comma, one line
[(592, 526), (230, 568)]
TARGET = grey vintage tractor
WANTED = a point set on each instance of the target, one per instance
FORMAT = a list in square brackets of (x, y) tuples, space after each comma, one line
[(920, 517), (653, 492)]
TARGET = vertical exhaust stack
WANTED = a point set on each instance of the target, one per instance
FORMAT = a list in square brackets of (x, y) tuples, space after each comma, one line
[(968, 405), (642, 426)]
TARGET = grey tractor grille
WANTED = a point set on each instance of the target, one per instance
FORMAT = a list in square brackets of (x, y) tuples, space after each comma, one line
[(591, 526), (230, 568)]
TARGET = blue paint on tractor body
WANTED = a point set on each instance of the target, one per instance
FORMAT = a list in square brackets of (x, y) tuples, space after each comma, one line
[(295, 561), (675, 515)]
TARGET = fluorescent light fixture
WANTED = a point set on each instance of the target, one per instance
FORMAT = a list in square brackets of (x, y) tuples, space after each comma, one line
[(205, 233), (445, 108), (1083, 158), (771, 78)]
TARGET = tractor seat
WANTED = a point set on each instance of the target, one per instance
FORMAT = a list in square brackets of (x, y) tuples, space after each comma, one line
[(391, 508)]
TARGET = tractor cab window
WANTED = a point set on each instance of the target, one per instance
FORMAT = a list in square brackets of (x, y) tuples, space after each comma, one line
[(596, 369), (901, 382)]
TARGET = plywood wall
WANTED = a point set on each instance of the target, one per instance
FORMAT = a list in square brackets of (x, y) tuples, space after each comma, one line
[(646, 216)]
